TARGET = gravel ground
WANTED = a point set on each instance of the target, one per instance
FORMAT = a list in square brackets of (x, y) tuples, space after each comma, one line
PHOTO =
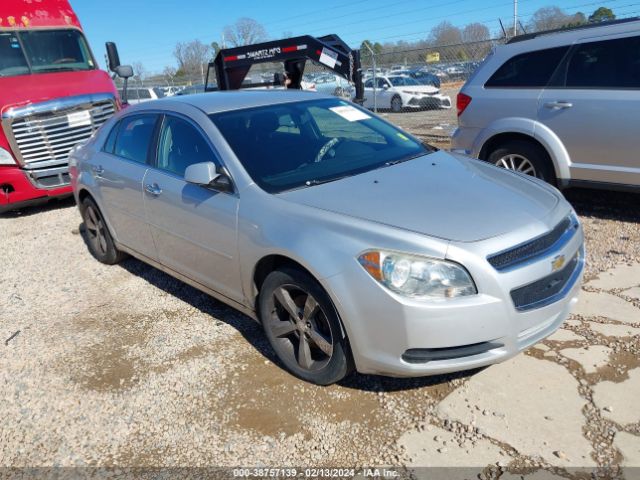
[(125, 366)]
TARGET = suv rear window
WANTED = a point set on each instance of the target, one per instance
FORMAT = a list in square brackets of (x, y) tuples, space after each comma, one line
[(528, 70), (605, 64)]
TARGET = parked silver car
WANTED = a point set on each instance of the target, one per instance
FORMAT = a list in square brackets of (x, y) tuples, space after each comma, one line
[(353, 244), (562, 106)]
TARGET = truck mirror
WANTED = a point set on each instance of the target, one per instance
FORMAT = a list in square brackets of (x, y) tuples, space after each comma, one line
[(112, 55), (124, 71)]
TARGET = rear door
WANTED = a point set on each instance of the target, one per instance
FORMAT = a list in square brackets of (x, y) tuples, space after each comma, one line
[(593, 105), (513, 90), (194, 228), (119, 171)]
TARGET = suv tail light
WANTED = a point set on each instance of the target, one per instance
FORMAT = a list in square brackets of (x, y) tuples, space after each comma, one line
[(462, 102)]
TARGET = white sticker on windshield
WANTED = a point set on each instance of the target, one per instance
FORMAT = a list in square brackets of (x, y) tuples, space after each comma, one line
[(79, 119), (328, 57), (350, 113)]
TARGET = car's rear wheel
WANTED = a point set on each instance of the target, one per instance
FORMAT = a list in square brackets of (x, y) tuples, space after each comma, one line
[(303, 327), (396, 104), (97, 235), (524, 157)]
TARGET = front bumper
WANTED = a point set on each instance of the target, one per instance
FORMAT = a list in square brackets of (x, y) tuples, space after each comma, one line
[(17, 190), (430, 101), (397, 336)]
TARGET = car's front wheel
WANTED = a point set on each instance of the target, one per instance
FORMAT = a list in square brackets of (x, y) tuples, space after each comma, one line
[(98, 238), (524, 157), (303, 327), (396, 104)]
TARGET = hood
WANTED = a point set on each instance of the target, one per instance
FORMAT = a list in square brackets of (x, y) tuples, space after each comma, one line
[(419, 88), (439, 195), (27, 89)]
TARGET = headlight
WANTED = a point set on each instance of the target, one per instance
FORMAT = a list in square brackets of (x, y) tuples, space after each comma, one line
[(6, 158), (418, 277)]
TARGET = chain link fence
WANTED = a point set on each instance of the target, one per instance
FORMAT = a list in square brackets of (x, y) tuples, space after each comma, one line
[(417, 87)]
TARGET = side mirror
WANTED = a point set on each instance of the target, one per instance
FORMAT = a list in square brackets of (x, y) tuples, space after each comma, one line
[(124, 71), (113, 56), (206, 174)]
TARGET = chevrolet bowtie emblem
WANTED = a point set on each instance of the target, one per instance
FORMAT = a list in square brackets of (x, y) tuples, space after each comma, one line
[(557, 263)]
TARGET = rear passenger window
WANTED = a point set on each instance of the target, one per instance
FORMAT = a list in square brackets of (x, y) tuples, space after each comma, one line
[(528, 70), (134, 137), (605, 64)]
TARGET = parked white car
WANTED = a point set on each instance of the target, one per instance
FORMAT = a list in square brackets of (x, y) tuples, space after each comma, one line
[(140, 95), (397, 92)]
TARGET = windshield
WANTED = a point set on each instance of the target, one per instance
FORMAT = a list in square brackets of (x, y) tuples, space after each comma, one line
[(300, 144), (43, 51), (402, 81)]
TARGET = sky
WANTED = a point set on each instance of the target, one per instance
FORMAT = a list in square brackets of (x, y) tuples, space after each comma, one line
[(147, 31)]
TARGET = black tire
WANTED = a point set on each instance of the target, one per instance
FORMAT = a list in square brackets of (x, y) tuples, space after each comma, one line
[(97, 235), (396, 104), (522, 151), (311, 346)]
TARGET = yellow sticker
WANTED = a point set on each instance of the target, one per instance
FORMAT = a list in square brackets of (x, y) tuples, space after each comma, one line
[(403, 137)]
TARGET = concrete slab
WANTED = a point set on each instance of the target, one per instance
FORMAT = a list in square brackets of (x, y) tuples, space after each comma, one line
[(606, 305), (618, 397), (591, 358), (621, 276), (438, 448), (629, 446), (633, 293), (535, 417), (563, 335), (614, 330)]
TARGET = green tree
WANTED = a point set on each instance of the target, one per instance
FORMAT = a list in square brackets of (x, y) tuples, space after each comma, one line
[(602, 14)]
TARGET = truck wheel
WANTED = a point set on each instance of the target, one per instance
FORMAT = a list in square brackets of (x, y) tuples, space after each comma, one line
[(97, 234), (524, 157), (303, 327), (396, 104)]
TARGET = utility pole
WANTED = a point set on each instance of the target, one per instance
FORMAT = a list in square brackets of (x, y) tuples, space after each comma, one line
[(515, 18)]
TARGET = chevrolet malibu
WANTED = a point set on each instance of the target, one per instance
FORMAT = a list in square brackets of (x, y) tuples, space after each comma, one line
[(353, 244)]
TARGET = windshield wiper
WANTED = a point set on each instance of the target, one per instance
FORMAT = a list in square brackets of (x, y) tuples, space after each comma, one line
[(402, 160), (314, 182)]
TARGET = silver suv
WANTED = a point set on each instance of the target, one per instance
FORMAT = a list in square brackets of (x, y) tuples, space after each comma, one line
[(562, 106)]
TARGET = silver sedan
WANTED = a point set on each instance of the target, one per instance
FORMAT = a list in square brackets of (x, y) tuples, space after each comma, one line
[(354, 244)]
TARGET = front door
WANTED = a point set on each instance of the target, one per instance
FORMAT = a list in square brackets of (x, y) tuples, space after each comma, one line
[(194, 228)]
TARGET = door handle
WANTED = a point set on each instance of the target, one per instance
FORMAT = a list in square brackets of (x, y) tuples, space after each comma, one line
[(154, 189), (558, 105), (98, 170)]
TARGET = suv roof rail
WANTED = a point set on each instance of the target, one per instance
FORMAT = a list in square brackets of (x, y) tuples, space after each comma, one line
[(529, 36)]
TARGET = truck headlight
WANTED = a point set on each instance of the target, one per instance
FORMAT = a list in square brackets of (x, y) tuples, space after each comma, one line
[(416, 276), (6, 158)]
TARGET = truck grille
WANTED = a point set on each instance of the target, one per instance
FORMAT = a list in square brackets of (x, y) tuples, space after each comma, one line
[(49, 137), (548, 289), (536, 247)]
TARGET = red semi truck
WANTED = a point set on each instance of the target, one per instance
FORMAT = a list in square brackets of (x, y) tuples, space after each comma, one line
[(52, 96)]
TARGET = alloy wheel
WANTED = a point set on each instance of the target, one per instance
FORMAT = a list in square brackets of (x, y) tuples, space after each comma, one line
[(300, 327), (95, 230), (517, 163)]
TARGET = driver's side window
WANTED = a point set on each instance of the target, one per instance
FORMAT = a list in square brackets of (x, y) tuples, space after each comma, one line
[(180, 145)]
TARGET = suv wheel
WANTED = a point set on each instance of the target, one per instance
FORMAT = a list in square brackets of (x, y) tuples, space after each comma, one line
[(303, 327), (524, 157), (97, 236)]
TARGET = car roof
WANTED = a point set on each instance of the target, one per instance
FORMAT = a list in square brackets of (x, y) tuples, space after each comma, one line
[(214, 102)]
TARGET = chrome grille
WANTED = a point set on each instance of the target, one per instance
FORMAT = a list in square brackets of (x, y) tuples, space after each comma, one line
[(50, 136), (548, 289), (536, 247)]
